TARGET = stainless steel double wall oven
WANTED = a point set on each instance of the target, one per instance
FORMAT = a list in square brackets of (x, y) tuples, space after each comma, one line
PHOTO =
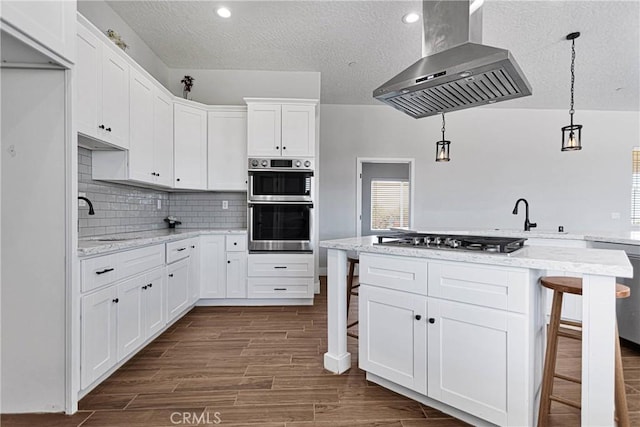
[(280, 200)]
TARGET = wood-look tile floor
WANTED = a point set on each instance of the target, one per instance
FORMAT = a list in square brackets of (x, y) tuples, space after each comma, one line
[(263, 366)]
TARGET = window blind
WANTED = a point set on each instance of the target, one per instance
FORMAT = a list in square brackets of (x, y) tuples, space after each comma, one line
[(389, 204), (635, 187)]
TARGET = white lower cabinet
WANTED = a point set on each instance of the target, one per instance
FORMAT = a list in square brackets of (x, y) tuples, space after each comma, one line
[(458, 333), (117, 320), (212, 267), (393, 336), (194, 270), (236, 280), (98, 334), (476, 360), (177, 288), (223, 270), (130, 316), (280, 275)]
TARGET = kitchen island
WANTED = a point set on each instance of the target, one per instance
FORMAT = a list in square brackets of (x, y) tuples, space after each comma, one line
[(473, 323)]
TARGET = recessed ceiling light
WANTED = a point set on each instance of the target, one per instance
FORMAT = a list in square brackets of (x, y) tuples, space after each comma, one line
[(410, 18), (223, 12)]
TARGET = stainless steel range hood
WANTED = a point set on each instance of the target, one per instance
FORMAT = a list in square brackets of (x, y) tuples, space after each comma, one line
[(457, 70)]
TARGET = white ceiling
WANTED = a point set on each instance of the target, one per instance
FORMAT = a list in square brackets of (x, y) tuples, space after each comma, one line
[(358, 45)]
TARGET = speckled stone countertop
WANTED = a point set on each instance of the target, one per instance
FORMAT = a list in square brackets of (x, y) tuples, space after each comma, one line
[(577, 260), (115, 242), (622, 237)]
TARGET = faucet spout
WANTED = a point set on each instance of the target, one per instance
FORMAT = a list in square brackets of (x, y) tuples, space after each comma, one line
[(527, 224), (91, 211)]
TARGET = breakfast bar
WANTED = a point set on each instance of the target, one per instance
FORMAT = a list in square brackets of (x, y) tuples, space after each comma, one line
[(443, 270)]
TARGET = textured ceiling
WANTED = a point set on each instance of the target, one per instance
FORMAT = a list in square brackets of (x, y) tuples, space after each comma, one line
[(358, 45)]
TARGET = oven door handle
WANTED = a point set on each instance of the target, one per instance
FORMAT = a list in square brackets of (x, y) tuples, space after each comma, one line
[(309, 204)]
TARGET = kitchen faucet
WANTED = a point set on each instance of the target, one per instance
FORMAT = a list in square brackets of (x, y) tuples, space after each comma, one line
[(91, 211), (527, 225)]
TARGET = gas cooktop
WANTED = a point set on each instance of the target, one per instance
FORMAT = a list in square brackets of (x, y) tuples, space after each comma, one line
[(453, 241)]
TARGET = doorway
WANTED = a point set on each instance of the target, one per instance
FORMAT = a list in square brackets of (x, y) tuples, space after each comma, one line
[(384, 197)]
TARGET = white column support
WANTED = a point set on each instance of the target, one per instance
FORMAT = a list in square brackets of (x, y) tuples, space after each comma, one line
[(337, 359), (598, 340)]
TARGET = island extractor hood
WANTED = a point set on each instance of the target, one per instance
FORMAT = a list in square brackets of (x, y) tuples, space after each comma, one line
[(457, 71)]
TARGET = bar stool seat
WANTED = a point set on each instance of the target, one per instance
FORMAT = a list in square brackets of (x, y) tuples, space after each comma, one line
[(559, 327), (351, 290)]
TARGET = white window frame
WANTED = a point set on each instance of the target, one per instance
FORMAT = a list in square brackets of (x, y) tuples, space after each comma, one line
[(399, 181), (634, 213)]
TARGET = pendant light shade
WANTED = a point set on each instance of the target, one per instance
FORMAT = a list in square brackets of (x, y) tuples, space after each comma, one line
[(572, 134), (442, 147)]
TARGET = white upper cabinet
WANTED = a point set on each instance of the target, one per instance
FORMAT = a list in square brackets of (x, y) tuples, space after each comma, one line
[(48, 26), (190, 147), (163, 138), (141, 130), (298, 130), (264, 135), (102, 91), (281, 128), (227, 139), (151, 133)]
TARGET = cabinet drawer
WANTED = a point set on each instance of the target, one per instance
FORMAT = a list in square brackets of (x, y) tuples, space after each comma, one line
[(401, 273), (269, 287), (139, 260), (237, 243), (99, 271), (280, 265), (177, 250), (495, 287)]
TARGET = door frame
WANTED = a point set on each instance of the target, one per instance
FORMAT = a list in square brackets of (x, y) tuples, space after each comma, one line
[(412, 176)]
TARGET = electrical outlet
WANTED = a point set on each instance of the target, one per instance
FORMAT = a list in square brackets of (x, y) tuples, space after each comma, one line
[(615, 215), (82, 203), (159, 204), (225, 204)]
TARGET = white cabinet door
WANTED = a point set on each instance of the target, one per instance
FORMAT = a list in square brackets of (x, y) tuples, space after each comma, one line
[(236, 274), (298, 130), (98, 341), (130, 316), (163, 139), (212, 267), (227, 131), (115, 99), (88, 80), (478, 361), (50, 23), (264, 130), (393, 336), (154, 302), (177, 288), (190, 147), (141, 128), (194, 270)]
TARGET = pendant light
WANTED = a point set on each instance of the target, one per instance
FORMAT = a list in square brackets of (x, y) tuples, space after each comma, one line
[(572, 134), (442, 147)]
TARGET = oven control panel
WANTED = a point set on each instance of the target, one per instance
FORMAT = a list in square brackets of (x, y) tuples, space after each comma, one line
[(292, 164)]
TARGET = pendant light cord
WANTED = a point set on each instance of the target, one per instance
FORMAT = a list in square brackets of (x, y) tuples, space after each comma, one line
[(573, 74), (443, 125)]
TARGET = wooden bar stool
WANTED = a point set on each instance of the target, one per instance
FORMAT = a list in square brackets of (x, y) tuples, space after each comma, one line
[(351, 290), (565, 328)]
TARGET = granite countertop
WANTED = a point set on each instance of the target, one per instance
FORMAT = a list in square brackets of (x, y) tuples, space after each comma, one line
[(622, 237), (115, 242), (578, 260)]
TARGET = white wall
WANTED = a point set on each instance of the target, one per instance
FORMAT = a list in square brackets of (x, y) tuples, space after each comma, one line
[(102, 16), (33, 240), (229, 87), (497, 156)]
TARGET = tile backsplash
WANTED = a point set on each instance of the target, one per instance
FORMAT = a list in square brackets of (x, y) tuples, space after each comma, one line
[(122, 208)]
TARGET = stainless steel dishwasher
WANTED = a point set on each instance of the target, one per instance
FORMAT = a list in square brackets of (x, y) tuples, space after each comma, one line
[(628, 309)]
